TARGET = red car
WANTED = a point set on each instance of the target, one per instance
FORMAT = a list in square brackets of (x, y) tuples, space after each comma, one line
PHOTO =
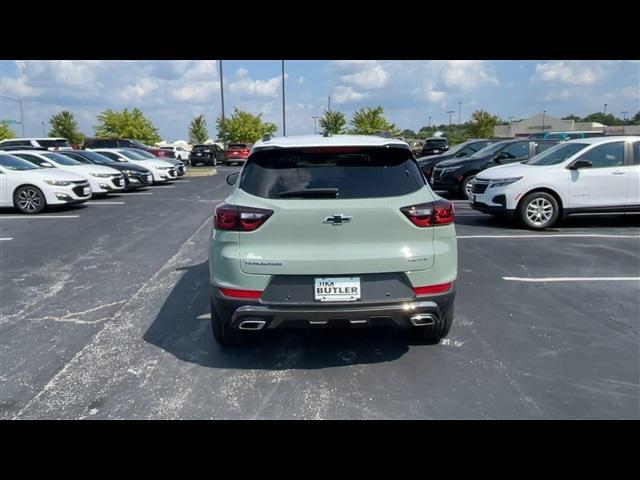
[(236, 153)]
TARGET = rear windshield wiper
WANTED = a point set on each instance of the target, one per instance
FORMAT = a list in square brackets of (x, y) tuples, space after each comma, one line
[(311, 192)]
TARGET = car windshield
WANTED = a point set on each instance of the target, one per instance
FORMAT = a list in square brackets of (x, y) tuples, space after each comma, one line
[(438, 143), (490, 149), (61, 159), (95, 157), (130, 154), (341, 173), (14, 163), (138, 144), (556, 154), (58, 143)]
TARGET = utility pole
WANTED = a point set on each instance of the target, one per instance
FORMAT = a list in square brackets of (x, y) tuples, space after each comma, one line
[(510, 125), (284, 120), (21, 112), (429, 126), (315, 130), (605, 108), (450, 112), (543, 114), (43, 132), (329, 103), (624, 115), (459, 110), (224, 131)]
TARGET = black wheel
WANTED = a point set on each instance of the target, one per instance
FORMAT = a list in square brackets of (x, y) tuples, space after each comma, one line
[(466, 185), (435, 333), (29, 200), (223, 333), (538, 210)]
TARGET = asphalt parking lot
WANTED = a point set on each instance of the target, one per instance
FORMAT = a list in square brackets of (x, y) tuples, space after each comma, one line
[(104, 314)]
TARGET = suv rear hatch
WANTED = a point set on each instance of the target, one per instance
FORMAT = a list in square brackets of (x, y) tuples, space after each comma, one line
[(335, 210), (237, 151)]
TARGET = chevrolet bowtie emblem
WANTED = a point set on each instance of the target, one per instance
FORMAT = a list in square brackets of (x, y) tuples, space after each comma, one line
[(337, 219)]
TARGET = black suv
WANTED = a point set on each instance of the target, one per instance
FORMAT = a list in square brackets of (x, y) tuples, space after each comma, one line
[(434, 146), (457, 175), (206, 154), (466, 149)]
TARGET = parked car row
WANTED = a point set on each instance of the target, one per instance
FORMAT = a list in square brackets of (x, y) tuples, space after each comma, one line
[(32, 177), (589, 175)]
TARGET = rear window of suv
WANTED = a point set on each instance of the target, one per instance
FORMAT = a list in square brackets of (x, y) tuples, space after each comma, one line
[(54, 143), (237, 145), (331, 173)]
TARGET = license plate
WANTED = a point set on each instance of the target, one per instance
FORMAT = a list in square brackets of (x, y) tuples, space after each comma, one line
[(342, 289), (86, 190), (431, 179), (235, 153), (436, 151)]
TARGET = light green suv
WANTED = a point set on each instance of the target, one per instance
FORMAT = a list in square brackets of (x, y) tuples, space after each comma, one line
[(338, 231)]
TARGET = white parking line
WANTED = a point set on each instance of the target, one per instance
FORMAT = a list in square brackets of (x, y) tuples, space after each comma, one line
[(181, 181), (6, 239), (16, 217), (134, 193), (100, 202), (573, 279), (163, 186), (561, 235)]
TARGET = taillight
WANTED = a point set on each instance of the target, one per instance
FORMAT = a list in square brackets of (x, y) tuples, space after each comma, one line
[(440, 288), (238, 218), (440, 212), (232, 292)]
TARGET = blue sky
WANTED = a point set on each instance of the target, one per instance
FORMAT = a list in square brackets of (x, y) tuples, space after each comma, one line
[(171, 93)]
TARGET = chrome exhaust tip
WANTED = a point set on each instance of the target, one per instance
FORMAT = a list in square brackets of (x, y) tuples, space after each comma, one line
[(422, 320), (252, 325)]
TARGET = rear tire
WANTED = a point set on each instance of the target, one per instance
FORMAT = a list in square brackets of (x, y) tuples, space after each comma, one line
[(223, 333), (538, 211), (433, 335), (29, 200)]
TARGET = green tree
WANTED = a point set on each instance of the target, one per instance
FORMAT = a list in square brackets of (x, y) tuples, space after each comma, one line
[(482, 124), (5, 131), (332, 123), (608, 119), (126, 124), (243, 127), (198, 130), (371, 121), (408, 133), (571, 117), (636, 118), (63, 124)]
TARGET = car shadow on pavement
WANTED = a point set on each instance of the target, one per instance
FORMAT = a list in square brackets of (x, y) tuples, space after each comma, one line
[(614, 220), (183, 328)]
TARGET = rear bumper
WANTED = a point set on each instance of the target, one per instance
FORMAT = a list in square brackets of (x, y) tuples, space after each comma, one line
[(372, 314)]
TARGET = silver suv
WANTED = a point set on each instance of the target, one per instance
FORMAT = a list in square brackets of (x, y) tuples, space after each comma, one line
[(329, 232)]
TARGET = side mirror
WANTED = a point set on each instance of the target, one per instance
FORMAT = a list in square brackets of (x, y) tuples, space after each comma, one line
[(580, 163), (232, 178), (46, 164)]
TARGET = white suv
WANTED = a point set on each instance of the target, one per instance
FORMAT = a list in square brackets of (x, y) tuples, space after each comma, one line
[(580, 176), (180, 153), (50, 143)]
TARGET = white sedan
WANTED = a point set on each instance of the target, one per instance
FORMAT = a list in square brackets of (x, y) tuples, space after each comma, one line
[(101, 179), (161, 170), (30, 188)]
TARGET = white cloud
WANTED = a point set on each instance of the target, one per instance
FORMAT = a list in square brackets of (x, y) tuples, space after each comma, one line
[(245, 85), (300, 80), (570, 73), (135, 93), (196, 92), (342, 94), (363, 74), (436, 96), (467, 74)]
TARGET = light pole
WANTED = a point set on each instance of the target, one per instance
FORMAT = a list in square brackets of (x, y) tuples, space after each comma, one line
[(543, 114), (459, 110), (429, 126), (284, 120), (450, 112), (224, 129), (624, 115), (43, 132), (21, 112), (315, 130), (510, 125), (329, 104), (605, 108)]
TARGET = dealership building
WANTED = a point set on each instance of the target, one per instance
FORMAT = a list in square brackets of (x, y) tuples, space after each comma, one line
[(543, 123)]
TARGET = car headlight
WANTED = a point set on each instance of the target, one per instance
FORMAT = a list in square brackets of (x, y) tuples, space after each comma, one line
[(502, 182), (449, 169), (58, 183), (101, 175), (163, 168), (128, 172)]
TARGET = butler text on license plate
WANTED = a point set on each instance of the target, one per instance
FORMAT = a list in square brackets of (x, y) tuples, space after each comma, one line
[(341, 289)]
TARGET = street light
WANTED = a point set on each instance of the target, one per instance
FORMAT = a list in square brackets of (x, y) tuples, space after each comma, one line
[(43, 132), (624, 115), (224, 129), (510, 125), (605, 108), (459, 110), (543, 114), (315, 130), (450, 112), (284, 120), (429, 126), (21, 112)]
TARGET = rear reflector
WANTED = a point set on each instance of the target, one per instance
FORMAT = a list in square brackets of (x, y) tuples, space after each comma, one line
[(238, 218), (440, 212), (232, 292), (442, 287)]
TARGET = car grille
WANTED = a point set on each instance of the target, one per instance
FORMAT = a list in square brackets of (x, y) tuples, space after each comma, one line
[(145, 178), (172, 173), (181, 169), (479, 186), (437, 173), (79, 190), (118, 181), (80, 182)]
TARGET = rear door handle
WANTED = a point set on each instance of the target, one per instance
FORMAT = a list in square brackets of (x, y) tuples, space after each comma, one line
[(619, 172)]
